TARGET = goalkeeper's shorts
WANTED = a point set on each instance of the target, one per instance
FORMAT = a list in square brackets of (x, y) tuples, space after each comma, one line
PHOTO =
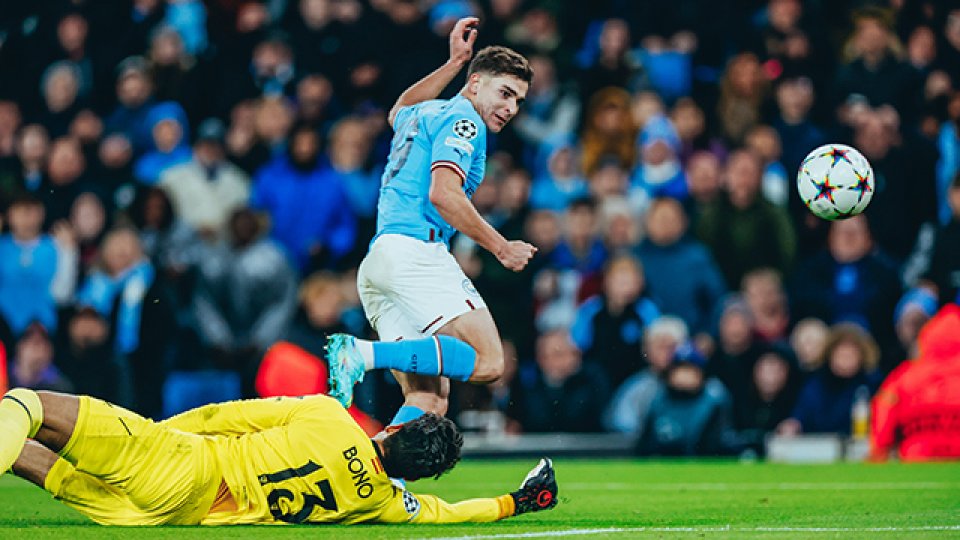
[(119, 468)]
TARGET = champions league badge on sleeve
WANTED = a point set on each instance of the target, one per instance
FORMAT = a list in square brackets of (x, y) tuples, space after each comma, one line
[(465, 129)]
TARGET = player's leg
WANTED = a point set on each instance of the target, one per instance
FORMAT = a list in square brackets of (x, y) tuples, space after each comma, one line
[(167, 474), (427, 287), (477, 329), (85, 493), (42, 415), (421, 394)]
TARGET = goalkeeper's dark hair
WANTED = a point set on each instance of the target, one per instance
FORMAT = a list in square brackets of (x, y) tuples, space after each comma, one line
[(427, 446), (497, 60)]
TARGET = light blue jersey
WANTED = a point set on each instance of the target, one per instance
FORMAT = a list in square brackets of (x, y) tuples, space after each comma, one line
[(428, 135)]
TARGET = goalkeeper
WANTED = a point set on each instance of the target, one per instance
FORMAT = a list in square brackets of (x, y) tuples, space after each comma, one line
[(278, 460)]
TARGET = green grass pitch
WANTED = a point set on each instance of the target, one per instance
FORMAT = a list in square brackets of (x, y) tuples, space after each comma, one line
[(613, 499)]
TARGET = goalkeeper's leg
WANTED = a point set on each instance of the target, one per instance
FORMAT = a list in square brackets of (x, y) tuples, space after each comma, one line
[(87, 494), (169, 475)]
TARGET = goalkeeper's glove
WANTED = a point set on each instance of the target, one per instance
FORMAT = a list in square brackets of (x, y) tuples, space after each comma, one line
[(538, 490)]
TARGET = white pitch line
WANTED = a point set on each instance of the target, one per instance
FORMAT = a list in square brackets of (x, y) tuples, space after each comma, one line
[(725, 528)]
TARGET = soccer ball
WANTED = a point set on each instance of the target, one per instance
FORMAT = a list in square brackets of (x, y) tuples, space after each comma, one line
[(835, 181)]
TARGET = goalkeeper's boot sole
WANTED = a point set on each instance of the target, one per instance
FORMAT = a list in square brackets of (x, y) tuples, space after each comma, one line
[(346, 367)]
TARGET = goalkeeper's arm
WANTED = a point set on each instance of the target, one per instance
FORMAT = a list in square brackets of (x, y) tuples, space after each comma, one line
[(537, 492), (238, 417)]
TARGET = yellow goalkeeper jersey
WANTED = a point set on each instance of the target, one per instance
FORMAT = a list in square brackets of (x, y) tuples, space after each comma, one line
[(305, 460)]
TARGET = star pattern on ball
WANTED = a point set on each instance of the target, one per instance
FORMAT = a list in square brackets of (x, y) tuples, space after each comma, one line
[(824, 189), (863, 185), (838, 154)]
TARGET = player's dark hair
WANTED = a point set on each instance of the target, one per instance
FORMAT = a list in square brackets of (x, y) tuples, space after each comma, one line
[(427, 446), (497, 60)]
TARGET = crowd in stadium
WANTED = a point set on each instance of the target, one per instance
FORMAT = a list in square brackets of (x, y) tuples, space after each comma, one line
[(188, 187)]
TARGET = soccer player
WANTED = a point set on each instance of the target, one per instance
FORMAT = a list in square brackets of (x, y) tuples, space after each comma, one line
[(433, 326), (293, 460)]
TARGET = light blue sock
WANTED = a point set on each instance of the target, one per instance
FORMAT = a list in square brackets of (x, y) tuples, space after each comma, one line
[(436, 355), (406, 414)]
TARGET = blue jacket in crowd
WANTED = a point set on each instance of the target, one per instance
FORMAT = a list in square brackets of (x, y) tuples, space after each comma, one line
[(308, 210), (26, 274), (684, 279)]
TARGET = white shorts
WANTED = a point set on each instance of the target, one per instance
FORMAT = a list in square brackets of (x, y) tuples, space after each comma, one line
[(410, 288)]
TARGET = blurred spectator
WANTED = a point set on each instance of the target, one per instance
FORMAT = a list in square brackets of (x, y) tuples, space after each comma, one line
[(87, 128), (315, 99), (580, 248), (770, 397), (207, 189), (321, 306), (825, 403), (948, 166), (913, 311), (188, 18), (134, 102), (10, 120), (763, 291), (948, 55), (566, 395), (874, 72), (85, 356), (742, 229), (905, 195), (608, 130), (703, 181), (609, 61), (609, 327), (690, 123), (680, 272), (37, 271), (127, 291), (690, 414), (610, 180), (60, 86), (561, 182), (658, 172), (89, 220), (170, 144), (743, 91), (551, 111), (348, 154), (764, 141), (807, 340), (943, 272), (620, 230), (628, 408), (24, 172), (174, 71), (309, 213), (269, 73), (172, 245), (115, 170), (798, 133), (31, 365), (850, 281), (245, 296), (65, 180), (737, 351)]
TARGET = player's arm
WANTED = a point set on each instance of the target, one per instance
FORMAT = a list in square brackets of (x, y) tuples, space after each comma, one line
[(462, 37), (537, 492), (447, 196), (238, 417)]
